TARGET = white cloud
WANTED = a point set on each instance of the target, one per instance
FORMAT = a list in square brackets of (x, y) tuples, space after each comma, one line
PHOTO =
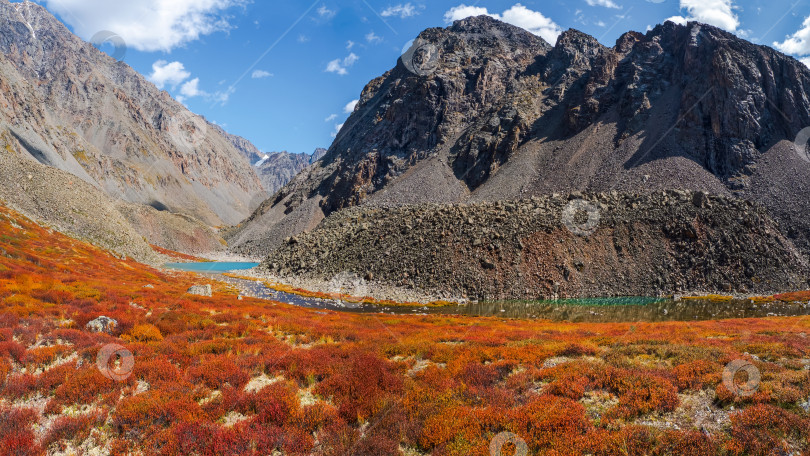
[(459, 12), (325, 12), (349, 108), (148, 25), (330, 118), (259, 74), (403, 11), (337, 130), (341, 66), (719, 13), (605, 3), (373, 37), (164, 73), (798, 43), (349, 45), (806, 61), (518, 15), (191, 89), (678, 20)]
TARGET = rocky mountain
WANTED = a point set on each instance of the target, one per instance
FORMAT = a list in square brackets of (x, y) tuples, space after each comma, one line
[(277, 169), (69, 106), (621, 245), (484, 111)]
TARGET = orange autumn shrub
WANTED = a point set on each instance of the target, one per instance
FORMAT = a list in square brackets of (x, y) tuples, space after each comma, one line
[(152, 410), (144, 333), (697, 375), (550, 422), (84, 386), (214, 372)]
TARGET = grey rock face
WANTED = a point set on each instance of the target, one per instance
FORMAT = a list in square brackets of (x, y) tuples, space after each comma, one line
[(200, 290), (506, 116), (102, 324)]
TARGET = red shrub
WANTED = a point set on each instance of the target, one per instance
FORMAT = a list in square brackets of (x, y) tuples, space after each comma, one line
[(361, 387), (686, 443), (84, 386), (155, 409), (550, 422), (16, 435), (72, 428), (216, 372), (697, 375), (760, 428)]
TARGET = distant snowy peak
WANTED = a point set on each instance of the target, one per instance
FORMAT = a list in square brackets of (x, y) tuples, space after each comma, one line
[(262, 161)]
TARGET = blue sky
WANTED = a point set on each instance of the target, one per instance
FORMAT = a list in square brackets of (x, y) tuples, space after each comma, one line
[(284, 74)]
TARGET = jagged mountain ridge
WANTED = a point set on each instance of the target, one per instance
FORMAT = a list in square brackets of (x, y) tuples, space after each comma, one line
[(70, 106), (277, 169), (507, 116)]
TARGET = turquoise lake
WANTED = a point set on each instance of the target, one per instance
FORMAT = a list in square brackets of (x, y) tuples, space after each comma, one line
[(213, 267)]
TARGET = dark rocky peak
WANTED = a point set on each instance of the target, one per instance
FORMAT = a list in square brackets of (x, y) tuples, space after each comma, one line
[(488, 30)]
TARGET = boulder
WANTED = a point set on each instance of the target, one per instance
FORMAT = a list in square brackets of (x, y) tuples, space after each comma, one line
[(102, 324), (200, 290)]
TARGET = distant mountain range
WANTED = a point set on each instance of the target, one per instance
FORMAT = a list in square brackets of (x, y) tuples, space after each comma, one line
[(486, 111)]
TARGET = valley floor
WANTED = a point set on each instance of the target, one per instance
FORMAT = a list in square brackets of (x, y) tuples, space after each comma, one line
[(227, 376)]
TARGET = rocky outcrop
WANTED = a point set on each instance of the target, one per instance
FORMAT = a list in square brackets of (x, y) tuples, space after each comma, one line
[(495, 114), (594, 245), (200, 290), (70, 106)]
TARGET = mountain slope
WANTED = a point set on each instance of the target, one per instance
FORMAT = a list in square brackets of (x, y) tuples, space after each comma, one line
[(72, 107), (502, 115)]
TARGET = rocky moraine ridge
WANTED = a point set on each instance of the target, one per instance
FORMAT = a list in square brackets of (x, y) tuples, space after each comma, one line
[(554, 247)]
